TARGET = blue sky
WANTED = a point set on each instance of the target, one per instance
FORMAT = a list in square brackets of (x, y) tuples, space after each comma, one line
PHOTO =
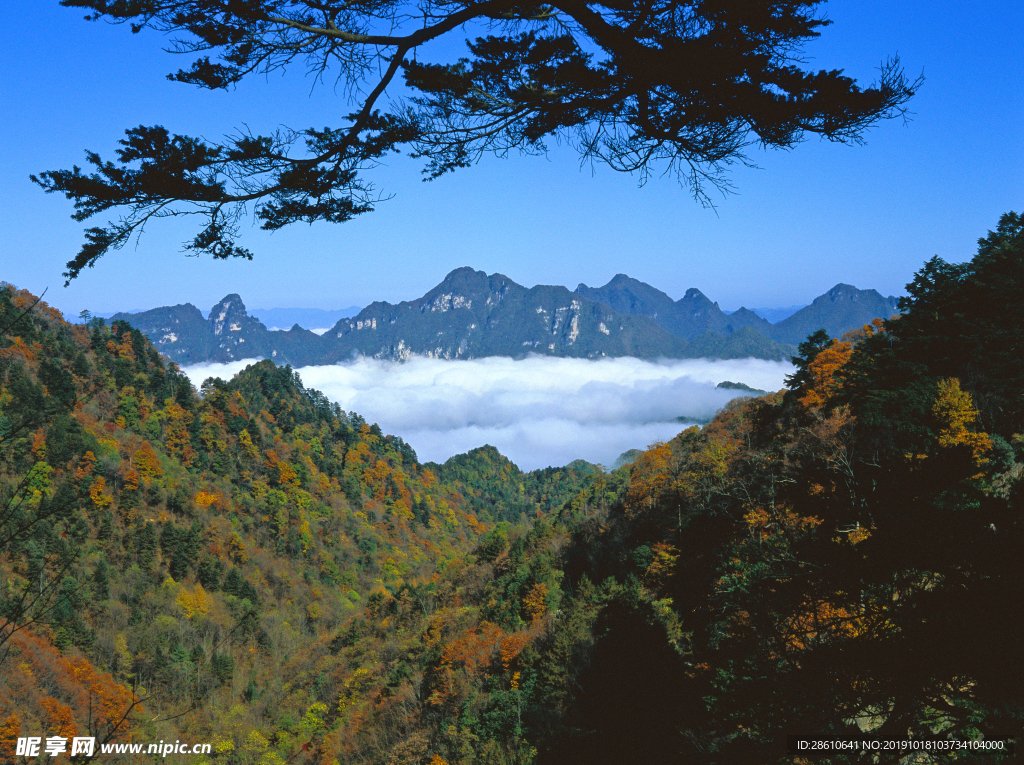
[(807, 219)]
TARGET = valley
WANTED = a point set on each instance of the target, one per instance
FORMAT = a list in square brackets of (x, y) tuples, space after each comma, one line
[(248, 564)]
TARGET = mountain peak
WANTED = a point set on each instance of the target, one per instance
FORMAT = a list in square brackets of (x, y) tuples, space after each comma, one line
[(461, 273), (688, 317), (234, 300), (623, 286), (842, 308), (228, 306), (627, 284), (694, 295), (620, 278), (227, 312), (841, 291), (463, 286)]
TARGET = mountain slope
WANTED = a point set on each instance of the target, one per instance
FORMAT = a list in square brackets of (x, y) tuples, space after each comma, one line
[(220, 565), (689, 317), (179, 332), (744, 343), (841, 309)]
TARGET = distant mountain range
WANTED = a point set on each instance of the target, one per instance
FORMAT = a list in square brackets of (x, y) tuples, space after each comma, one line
[(775, 315), (282, 318), (472, 315), (310, 318), (839, 310)]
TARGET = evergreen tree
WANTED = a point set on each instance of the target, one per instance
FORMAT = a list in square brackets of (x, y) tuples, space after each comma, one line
[(146, 546), (101, 580), (642, 87)]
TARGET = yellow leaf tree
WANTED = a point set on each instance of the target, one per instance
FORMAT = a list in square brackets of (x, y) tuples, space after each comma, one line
[(955, 412)]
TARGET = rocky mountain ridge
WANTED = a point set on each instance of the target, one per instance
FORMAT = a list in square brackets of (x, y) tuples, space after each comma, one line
[(471, 314), (842, 308)]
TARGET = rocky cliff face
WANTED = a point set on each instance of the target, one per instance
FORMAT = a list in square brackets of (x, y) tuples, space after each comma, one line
[(235, 334), (183, 335)]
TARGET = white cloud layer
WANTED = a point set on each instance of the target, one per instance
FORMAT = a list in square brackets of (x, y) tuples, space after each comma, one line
[(538, 411)]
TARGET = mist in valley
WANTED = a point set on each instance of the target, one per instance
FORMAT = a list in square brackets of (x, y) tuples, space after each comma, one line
[(538, 411)]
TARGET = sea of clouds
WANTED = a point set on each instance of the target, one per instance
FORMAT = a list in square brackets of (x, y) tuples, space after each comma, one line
[(537, 411)]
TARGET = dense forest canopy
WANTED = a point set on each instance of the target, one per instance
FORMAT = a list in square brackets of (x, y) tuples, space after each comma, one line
[(250, 566), (644, 87)]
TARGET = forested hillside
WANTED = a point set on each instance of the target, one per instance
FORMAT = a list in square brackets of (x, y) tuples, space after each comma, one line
[(842, 557), (183, 564), (250, 566)]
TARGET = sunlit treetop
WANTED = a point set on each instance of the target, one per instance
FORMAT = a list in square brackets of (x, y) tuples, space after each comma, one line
[(640, 85)]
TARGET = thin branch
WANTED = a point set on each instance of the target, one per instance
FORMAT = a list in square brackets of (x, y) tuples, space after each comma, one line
[(24, 313)]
